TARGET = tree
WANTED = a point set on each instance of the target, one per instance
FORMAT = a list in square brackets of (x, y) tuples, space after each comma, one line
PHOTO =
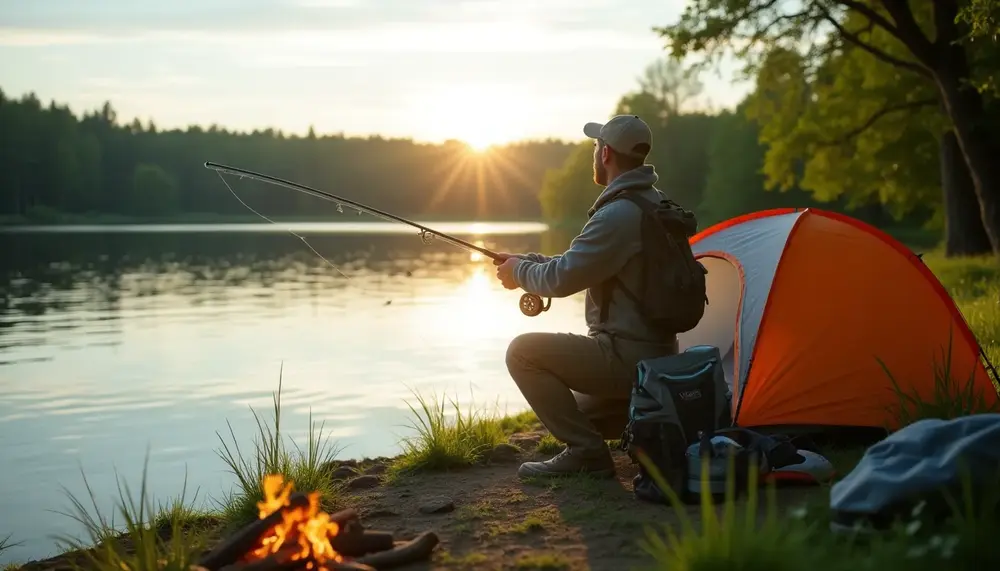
[(833, 137), (735, 183), (680, 139), (928, 44), (664, 88), (569, 191), (154, 192)]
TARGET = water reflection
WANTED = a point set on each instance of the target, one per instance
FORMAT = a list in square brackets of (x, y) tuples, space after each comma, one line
[(113, 345), (54, 282)]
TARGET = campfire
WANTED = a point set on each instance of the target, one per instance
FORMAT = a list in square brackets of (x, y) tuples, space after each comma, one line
[(293, 533)]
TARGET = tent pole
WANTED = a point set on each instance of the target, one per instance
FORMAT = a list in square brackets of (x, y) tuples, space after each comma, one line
[(990, 365)]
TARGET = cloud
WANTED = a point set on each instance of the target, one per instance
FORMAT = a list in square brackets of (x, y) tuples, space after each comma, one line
[(432, 37), (128, 18), (70, 22), (31, 38)]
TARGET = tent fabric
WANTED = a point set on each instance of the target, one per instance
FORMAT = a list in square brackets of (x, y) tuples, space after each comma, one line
[(920, 459), (804, 303)]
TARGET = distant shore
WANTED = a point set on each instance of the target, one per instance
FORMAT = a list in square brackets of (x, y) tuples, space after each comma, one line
[(212, 218)]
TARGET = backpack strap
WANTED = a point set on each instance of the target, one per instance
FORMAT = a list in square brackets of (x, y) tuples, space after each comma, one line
[(607, 288)]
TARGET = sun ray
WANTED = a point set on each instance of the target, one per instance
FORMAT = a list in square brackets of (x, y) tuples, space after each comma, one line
[(458, 168), (502, 189), (481, 208), (511, 167)]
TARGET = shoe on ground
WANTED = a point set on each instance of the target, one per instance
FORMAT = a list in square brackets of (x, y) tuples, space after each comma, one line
[(572, 461)]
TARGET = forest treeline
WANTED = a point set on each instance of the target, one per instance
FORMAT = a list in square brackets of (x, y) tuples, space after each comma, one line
[(882, 109), (54, 163)]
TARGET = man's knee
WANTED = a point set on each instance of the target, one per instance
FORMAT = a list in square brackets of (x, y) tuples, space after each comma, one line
[(518, 356)]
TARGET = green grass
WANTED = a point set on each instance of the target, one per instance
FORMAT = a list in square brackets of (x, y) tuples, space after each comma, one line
[(974, 284), (744, 538), (5, 544), (549, 445), (165, 538), (460, 440), (309, 469)]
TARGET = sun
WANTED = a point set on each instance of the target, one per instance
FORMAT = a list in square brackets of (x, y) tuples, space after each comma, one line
[(480, 142), (481, 116)]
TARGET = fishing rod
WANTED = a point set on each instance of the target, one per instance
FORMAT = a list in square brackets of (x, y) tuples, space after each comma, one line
[(530, 303)]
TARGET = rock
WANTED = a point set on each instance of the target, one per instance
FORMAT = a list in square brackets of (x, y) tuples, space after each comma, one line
[(364, 482), (343, 473), (376, 469), (504, 453), (382, 512), (437, 506), (525, 440)]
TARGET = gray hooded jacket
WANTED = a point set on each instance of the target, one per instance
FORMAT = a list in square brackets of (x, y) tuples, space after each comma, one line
[(606, 246)]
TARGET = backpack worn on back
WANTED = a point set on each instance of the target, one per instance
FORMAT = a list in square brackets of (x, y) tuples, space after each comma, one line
[(673, 296)]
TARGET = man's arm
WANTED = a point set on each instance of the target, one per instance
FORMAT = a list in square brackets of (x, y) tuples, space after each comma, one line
[(530, 256), (606, 242), (538, 258)]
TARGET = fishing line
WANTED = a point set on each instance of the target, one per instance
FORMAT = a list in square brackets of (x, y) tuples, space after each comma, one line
[(530, 303), (289, 230)]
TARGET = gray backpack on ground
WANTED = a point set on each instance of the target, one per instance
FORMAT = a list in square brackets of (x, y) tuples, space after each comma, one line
[(676, 400)]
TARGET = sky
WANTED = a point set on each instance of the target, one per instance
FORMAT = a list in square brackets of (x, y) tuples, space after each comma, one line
[(484, 71)]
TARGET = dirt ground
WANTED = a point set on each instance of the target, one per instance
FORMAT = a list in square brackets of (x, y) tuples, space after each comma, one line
[(490, 519), (487, 518)]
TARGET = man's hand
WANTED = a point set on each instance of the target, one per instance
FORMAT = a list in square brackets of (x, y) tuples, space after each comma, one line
[(503, 257), (505, 272)]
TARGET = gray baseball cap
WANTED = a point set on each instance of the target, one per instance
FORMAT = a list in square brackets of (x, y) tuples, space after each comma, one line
[(623, 133)]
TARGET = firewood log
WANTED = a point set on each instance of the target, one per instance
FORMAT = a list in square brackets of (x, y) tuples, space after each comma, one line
[(404, 553), (349, 566), (344, 516), (280, 561), (249, 537), (362, 542)]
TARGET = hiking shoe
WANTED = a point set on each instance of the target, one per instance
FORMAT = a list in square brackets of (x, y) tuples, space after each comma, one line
[(569, 461)]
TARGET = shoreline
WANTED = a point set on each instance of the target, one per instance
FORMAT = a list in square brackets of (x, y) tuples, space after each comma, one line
[(487, 518), (7, 221)]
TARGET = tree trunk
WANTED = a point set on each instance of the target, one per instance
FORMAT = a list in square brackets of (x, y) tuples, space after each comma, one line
[(975, 136), (963, 225)]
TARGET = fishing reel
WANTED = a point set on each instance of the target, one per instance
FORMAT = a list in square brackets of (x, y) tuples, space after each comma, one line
[(531, 304)]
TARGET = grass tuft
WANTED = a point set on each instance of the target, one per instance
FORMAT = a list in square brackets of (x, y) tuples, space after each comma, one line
[(549, 445), (463, 440), (735, 540), (951, 398), (311, 469), (151, 540)]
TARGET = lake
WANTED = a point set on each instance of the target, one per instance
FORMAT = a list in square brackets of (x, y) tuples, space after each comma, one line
[(122, 342)]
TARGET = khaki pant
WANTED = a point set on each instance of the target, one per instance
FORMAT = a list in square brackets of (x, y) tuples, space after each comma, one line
[(579, 386)]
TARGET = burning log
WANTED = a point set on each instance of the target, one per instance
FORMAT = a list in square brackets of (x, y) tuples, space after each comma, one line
[(249, 537), (293, 534)]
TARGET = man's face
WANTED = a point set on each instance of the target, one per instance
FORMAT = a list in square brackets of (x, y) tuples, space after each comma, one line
[(600, 169)]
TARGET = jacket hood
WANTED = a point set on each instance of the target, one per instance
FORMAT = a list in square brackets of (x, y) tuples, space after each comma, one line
[(640, 177)]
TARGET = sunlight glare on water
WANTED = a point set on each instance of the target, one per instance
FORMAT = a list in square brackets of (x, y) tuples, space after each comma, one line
[(118, 343)]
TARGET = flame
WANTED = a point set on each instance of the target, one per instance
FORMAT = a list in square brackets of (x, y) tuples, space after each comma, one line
[(307, 526)]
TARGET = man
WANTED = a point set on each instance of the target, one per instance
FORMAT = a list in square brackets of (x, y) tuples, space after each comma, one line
[(580, 385)]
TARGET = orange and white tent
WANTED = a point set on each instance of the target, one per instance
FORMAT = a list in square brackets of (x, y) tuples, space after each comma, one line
[(803, 304)]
